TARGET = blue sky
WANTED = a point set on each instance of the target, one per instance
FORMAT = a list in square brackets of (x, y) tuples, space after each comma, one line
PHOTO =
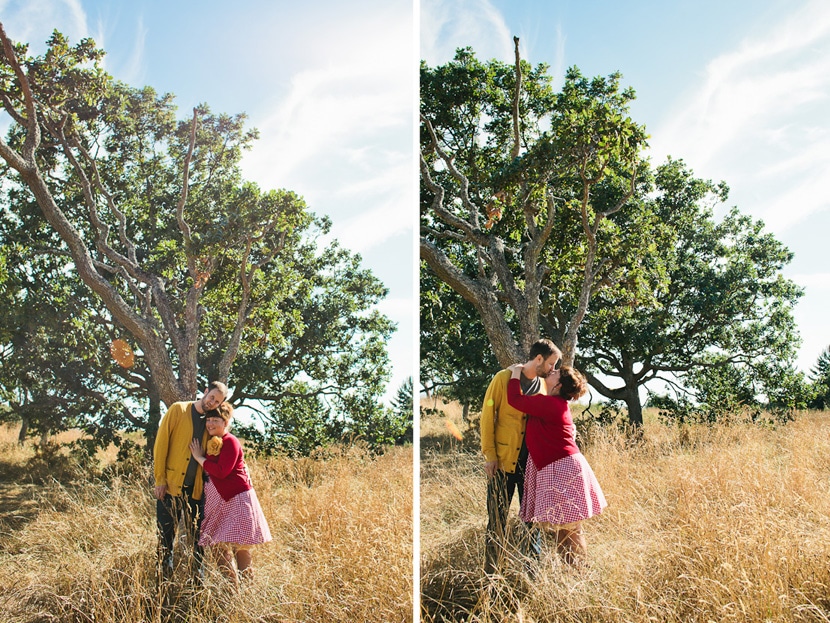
[(737, 89), (331, 86)]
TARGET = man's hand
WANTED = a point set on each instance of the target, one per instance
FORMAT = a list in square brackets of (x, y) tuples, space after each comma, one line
[(490, 468), (160, 492)]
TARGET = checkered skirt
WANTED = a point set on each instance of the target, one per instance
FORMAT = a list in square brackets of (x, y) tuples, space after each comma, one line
[(561, 493), (239, 520)]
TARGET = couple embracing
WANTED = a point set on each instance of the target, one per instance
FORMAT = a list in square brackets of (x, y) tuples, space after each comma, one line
[(201, 477), (529, 442)]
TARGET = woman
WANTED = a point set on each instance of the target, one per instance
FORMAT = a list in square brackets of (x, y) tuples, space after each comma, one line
[(233, 521), (560, 487)]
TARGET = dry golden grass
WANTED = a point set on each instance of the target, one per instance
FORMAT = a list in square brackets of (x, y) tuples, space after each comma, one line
[(85, 551), (727, 523)]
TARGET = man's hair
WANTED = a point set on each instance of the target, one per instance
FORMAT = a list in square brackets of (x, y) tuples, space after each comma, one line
[(573, 382), (217, 385), (546, 348)]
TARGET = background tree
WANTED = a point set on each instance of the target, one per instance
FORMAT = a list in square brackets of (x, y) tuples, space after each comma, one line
[(720, 301), (206, 275), (55, 366), (517, 184), (820, 378)]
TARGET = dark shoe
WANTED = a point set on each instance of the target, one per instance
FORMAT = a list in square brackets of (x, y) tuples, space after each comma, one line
[(167, 568)]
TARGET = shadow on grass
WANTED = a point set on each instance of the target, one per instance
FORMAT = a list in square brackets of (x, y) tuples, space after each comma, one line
[(18, 496), (454, 587)]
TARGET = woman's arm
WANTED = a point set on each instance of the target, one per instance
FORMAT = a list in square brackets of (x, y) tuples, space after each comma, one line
[(227, 459), (538, 406), (197, 452)]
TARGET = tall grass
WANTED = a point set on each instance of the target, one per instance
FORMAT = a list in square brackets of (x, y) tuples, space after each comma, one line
[(85, 550), (724, 523)]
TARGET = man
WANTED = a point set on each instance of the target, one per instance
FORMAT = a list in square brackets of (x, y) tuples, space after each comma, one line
[(178, 477), (505, 452)]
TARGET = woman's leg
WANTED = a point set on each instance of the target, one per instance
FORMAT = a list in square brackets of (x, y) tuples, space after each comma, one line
[(570, 542), (243, 563), (224, 558)]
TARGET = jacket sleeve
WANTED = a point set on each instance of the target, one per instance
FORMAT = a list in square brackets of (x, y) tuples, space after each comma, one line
[(160, 449), (226, 461), (538, 405), (489, 412)]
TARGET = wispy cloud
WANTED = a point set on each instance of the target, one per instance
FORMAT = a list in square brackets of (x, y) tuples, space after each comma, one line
[(450, 24), (342, 135), (758, 119), (133, 70), (33, 21)]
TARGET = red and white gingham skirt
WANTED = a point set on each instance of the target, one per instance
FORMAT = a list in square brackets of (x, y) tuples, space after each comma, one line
[(561, 493), (239, 520)]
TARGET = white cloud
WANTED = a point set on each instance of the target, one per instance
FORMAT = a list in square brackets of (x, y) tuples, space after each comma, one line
[(133, 71), (795, 203), (32, 21), (373, 226), (341, 135), (758, 119), (326, 111), (450, 24)]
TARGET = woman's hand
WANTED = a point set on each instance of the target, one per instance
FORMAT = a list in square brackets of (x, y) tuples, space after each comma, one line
[(196, 451), (516, 370)]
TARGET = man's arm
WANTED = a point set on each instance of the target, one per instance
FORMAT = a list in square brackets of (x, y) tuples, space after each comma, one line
[(160, 455), (489, 413)]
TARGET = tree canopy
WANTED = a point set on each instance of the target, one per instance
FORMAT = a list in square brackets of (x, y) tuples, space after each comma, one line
[(517, 184), (720, 301), (122, 221), (540, 212)]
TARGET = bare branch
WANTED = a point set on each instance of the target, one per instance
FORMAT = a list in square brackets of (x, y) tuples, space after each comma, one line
[(32, 127), (516, 94), (9, 106), (183, 226), (243, 311)]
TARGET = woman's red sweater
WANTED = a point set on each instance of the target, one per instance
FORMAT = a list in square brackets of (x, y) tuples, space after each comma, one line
[(227, 470), (550, 434)]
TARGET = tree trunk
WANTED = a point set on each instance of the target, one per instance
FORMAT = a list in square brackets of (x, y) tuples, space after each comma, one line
[(24, 429), (153, 417), (629, 393), (492, 315), (635, 409)]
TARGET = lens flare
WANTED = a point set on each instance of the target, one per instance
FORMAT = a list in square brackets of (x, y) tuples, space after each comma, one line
[(453, 430)]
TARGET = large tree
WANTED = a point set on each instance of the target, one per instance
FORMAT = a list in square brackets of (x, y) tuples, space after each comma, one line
[(206, 275), (517, 186), (720, 300)]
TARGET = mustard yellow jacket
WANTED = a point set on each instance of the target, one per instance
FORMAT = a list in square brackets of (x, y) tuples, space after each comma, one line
[(171, 452), (502, 426)]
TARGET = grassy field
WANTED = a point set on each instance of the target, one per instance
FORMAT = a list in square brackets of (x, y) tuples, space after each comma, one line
[(728, 523), (75, 549)]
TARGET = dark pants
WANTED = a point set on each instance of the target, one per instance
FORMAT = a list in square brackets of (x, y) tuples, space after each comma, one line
[(500, 489), (169, 512)]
